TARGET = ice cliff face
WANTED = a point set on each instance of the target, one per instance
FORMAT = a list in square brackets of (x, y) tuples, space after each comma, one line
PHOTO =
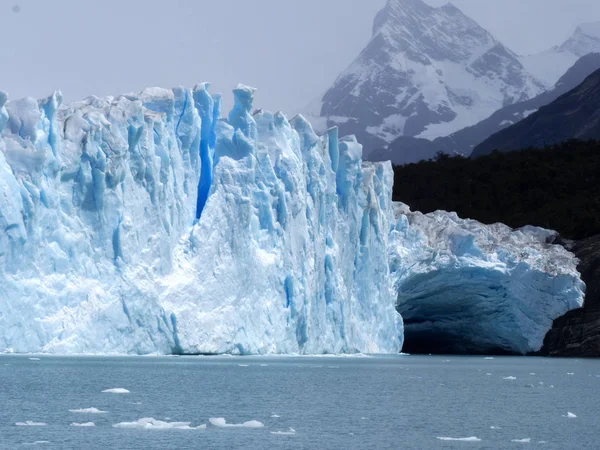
[(466, 287), (146, 224)]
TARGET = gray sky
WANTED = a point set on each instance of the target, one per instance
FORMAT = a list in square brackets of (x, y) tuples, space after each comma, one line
[(291, 50)]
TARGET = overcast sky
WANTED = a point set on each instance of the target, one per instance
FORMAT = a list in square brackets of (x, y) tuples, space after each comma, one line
[(291, 50)]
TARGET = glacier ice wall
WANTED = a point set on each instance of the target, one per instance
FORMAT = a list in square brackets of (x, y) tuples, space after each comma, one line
[(466, 287), (147, 224)]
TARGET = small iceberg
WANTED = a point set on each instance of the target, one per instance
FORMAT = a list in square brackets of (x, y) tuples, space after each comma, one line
[(150, 423), (489, 357), (509, 378), (243, 365), (275, 416), (34, 359), (88, 411), (30, 423), (290, 432), (116, 391), (465, 439), (222, 423), (522, 441), (570, 415), (84, 424)]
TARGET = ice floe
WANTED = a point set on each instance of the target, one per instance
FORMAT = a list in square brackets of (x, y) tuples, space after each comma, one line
[(570, 415), (150, 423), (222, 423), (488, 357), (34, 359), (30, 423), (88, 411), (83, 424), (275, 415), (465, 439), (522, 441), (290, 432), (509, 378), (116, 391)]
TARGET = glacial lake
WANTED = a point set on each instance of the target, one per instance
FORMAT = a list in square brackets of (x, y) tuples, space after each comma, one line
[(403, 402)]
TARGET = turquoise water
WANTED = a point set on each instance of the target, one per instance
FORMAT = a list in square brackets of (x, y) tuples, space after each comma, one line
[(406, 402)]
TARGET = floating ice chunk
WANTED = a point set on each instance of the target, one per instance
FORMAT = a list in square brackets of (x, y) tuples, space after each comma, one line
[(488, 357), (83, 424), (150, 423), (523, 441), (509, 378), (30, 423), (88, 411), (243, 365), (494, 428), (489, 373), (570, 415), (116, 391), (290, 432), (222, 423), (264, 365), (542, 442), (465, 439), (34, 359), (570, 373), (274, 415), (37, 443), (531, 373)]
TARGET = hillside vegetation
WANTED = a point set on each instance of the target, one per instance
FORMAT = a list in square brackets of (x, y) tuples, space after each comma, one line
[(557, 187)]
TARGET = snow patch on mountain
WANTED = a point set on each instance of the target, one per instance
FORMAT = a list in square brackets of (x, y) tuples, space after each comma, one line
[(551, 64)]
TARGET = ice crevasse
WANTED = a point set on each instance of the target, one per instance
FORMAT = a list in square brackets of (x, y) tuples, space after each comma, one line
[(148, 224)]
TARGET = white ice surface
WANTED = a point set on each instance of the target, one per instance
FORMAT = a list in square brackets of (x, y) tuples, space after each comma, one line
[(465, 439), (149, 423), (88, 411), (83, 424), (30, 423), (116, 391), (220, 422)]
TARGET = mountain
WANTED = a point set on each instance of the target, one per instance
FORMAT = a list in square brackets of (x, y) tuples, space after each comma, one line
[(550, 64), (574, 115), (426, 72), (406, 150)]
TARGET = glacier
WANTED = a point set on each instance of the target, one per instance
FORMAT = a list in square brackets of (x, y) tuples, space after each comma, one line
[(466, 287), (148, 224)]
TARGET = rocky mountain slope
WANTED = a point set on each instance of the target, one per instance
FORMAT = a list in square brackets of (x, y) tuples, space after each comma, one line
[(405, 149), (577, 333), (574, 115), (426, 72)]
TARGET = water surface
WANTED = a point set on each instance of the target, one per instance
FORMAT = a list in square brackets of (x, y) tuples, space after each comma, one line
[(406, 402)]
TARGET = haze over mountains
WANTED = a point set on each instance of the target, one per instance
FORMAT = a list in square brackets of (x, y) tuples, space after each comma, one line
[(428, 74)]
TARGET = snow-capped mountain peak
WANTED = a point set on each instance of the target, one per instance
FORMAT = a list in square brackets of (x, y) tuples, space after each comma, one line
[(551, 64), (425, 72), (586, 39)]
